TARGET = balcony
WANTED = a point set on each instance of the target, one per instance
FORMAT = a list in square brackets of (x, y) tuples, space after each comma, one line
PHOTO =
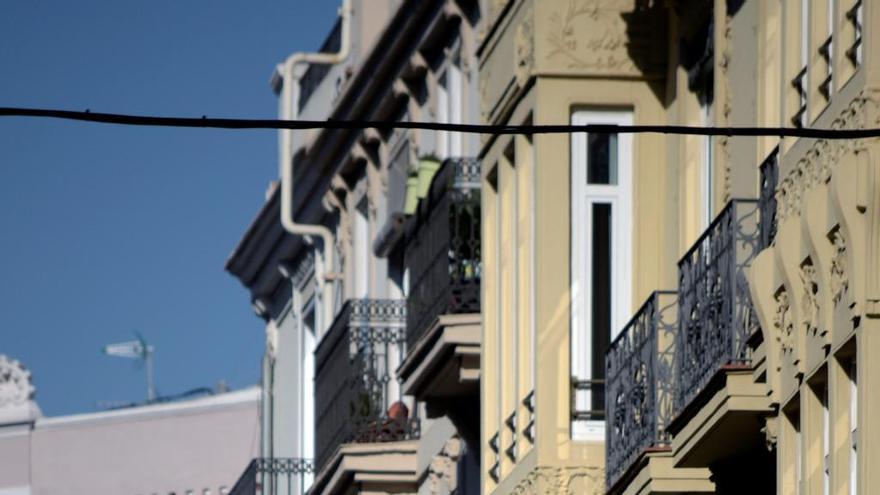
[(443, 248), (355, 384), (716, 317), (639, 368), (442, 254), (264, 476)]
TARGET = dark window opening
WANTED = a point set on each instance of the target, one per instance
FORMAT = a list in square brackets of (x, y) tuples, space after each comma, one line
[(600, 318)]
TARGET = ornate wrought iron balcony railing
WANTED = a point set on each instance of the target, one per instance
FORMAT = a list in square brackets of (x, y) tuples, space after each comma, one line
[(767, 199), (715, 311), (443, 248), (267, 476), (639, 369), (355, 386)]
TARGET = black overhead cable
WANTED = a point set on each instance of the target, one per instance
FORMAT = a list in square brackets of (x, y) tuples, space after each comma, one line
[(492, 129)]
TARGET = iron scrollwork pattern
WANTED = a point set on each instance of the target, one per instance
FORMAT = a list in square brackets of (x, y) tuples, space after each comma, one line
[(639, 368), (268, 476), (354, 371), (716, 318), (769, 180), (443, 248)]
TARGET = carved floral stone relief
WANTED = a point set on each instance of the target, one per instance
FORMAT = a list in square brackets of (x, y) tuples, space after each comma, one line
[(783, 325), (548, 480), (839, 280), (524, 49), (809, 299), (816, 165), (593, 35), (442, 472)]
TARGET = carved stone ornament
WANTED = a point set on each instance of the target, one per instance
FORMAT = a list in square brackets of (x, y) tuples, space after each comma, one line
[(590, 34), (782, 323), (810, 303), (548, 480), (838, 280), (525, 49), (442, 472), (771, 432), (15, 383), (816, 165)]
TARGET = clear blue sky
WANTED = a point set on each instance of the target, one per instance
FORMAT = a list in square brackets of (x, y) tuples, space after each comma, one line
[(107, 230)]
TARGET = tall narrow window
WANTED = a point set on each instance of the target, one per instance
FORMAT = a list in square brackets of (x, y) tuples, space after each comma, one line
[(455, 81), (361, 255), (600, 260), (854, 428), (308, 392), (443, 115), (450, 92)]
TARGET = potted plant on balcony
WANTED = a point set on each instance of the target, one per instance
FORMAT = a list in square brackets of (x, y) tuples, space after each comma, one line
[(429, 164), (411, 199), (419, 182)]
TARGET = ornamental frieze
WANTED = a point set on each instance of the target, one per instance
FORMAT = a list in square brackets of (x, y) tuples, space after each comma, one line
[(547, 480), (816, 165)]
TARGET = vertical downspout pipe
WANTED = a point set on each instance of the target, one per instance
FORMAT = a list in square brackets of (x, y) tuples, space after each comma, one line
[(289, 110)]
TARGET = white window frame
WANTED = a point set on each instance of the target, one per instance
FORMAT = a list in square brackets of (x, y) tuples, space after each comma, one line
[(361, 255), (443, 115), (455, 82), (583, 197)]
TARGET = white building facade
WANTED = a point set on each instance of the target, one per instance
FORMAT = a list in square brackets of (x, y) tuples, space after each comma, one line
[(192, 447)]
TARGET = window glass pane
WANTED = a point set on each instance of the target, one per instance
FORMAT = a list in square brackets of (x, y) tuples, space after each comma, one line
[(602, 159), (600, 304)]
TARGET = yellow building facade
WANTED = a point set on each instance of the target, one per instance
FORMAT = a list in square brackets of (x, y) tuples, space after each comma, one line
[(672, 313)]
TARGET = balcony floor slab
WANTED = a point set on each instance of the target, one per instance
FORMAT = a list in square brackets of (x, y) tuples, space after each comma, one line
[(724, 420), (445, 361), (388, 467), (655, 473)]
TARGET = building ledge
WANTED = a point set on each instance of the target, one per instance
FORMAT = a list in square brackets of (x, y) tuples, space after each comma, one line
[(388, 467), (725, 419), (445, 361), (655, 472)]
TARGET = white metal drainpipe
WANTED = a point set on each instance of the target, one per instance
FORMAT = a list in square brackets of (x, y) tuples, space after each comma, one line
[(288, 110)]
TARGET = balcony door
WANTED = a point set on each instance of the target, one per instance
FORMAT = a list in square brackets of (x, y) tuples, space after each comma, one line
[(601, 253)]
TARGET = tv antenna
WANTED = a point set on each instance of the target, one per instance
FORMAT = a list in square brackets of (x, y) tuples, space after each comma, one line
[(142, 352)]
